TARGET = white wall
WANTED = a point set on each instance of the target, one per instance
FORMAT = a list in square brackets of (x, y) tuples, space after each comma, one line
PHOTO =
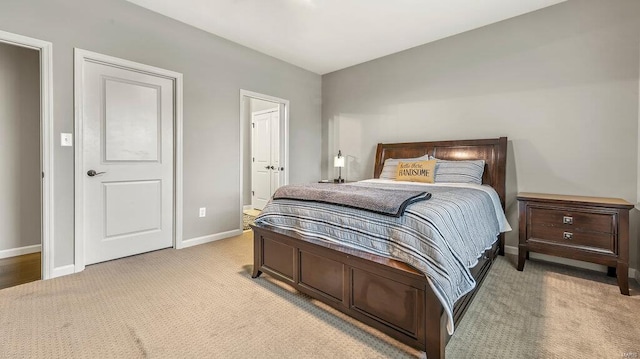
[(561, 83), (20, 216), (214, 71)]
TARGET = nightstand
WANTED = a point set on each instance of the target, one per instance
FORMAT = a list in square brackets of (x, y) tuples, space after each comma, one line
[(591, 229)]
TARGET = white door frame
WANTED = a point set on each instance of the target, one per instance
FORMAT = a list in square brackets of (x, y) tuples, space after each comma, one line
[(284, 138), (47, 142), (80, 56)]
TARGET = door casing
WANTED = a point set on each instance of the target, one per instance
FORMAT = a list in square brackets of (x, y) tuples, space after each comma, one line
[(80, 57), (245, 95), (46, 142)]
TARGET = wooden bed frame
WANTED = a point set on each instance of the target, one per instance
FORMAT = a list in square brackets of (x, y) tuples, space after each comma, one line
[(386, 294)]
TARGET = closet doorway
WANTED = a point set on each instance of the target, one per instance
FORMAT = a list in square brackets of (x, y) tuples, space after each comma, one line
[(264, 150), (25, 111)]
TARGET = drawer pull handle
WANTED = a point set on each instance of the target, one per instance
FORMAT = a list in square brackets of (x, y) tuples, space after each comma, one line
[(567, 235), (567, 220)]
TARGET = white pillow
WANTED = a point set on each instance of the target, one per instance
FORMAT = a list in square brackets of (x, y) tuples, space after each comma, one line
[(391, 166)]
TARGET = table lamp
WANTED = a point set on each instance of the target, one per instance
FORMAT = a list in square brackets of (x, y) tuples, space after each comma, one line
[(338, 161)]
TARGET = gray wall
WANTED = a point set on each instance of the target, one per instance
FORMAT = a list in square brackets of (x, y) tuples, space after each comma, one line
[(252, 105), (20, 218), (561, 83), (214, 72)]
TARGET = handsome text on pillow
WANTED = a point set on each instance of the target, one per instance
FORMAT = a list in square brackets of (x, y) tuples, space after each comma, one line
[(390, 167), (420, 171)]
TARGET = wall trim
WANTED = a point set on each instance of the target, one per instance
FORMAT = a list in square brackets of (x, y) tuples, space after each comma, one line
[(80, 57), (636, 274), (62, 271), (633, 273), (247, 207), (47, 140), (511, 250), (14, 252), (210, 238)]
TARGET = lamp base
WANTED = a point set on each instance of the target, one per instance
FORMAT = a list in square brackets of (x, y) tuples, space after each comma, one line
[(338, 180)]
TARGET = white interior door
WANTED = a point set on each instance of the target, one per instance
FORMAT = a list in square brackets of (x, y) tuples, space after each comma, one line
[(127, 134), (266, 166), (261, 159), (276, 170)]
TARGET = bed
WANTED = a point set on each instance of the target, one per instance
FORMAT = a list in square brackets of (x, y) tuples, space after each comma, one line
[(404, 306)]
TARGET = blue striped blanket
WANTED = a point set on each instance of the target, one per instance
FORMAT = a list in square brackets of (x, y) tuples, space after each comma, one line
[(442, 237)]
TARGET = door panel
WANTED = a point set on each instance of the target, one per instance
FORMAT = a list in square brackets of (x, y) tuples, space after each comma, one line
[(127, 134), (139, 200), (132, 121)]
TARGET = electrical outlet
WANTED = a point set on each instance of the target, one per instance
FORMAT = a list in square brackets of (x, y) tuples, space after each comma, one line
[(203, 211)]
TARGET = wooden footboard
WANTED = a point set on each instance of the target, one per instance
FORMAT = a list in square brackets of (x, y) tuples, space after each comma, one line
[(388, 295), (383, 293)]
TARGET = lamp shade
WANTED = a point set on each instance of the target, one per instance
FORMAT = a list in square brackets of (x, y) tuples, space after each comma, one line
[(338, 161)]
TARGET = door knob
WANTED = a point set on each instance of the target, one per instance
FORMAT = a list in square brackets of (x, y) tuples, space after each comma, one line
[(92, 173), (267, 167), (281, 168)]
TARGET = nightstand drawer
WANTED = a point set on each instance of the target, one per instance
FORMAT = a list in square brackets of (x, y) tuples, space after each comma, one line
[(572, 219), (576, 238)]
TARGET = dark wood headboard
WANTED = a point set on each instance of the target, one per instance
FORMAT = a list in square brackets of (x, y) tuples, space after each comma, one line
[(493, 151)]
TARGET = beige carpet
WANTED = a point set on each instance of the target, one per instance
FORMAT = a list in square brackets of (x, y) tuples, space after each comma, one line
[(200, 302)]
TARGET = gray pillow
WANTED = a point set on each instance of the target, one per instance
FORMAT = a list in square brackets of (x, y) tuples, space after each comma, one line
[(459, 171)]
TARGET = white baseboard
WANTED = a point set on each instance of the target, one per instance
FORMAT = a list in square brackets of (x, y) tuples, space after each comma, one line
[(633, 273), (247, 207), (210, 238), (64, 270), (636, 274), (511, 250), (13, 252)]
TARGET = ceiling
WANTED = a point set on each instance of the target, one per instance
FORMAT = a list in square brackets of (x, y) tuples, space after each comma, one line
[(323, 36)]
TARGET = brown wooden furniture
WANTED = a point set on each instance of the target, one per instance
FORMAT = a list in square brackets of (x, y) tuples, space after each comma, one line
[(386, 294), (591, 229)]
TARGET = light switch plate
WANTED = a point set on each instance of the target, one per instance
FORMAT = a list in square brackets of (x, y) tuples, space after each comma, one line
[(66, 139)]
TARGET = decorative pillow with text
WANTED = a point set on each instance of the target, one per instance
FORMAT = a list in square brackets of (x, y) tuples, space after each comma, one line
[(390, 167), (421, 171)]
